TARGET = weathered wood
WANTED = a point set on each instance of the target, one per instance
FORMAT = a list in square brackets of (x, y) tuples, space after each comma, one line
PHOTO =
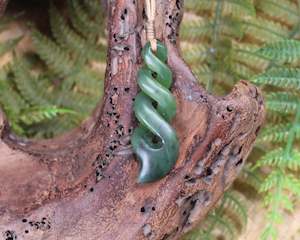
[(3, 4), (83, 185)]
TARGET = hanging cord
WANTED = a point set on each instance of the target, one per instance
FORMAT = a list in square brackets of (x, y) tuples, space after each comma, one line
[(150, 26)]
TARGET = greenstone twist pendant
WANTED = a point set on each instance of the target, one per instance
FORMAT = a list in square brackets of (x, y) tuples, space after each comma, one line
[(154, 141)]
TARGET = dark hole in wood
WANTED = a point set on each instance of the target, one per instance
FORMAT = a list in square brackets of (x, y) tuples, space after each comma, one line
[(208, 172), (240, 149), (192, 180), (143, 209), (239, 162), (229, 108), (257, 130)]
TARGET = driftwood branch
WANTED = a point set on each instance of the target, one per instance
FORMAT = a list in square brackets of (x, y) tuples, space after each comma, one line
[(83, 185)]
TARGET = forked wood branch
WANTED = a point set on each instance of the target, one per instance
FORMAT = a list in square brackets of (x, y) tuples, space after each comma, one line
[(83, 185)]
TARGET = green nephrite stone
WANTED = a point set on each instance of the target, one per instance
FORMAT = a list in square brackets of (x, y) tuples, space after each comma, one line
[(154, 141)]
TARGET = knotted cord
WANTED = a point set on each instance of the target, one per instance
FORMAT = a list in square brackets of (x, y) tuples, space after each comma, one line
[(150, 25)]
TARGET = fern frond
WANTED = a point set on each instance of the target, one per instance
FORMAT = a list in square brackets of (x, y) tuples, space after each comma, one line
[(284, 10), (282, 200), (198, 6), (57, 125), (282, 77), (265, 30), (271, 180), (247, 54), (279, 158), (287, 50), (233, 202), (9, 45), (241, 71), (195, 28), (69, 39), (27, 84), (282, 102), (56, 58), (225, 224), (239, 8), (11, 101), (292, 183), (85, 24), (270, 232), (278, 133), (40, 114), (88, 82), (203, 73), (201, 28), (95, 10), (250, 177), (194, 54), (234, 7)]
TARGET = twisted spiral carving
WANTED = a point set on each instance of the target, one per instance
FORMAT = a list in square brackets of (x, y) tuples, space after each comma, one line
[(154, 141)]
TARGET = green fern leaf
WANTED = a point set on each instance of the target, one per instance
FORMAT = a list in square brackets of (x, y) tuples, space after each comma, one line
[(278, 158), (55, 57), (270, 232), (11, 101), (37, 115), (232, 200), (292, 184), (278, 133), (29, 87), (282, 77), (240, 8), (288, 50), (272, 179), (234, 7), (224, 223), (198, 6), (194, 54), (247, 54), (283, 10), (282, 102), (85, 24), (69, 39), (9, 45), (265, 30)]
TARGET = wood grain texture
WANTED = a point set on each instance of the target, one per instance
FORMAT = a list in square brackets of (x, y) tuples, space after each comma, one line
[(82, 185)]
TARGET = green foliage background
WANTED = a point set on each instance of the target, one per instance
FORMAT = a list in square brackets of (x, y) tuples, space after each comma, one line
[(56, 85), (228, 40)]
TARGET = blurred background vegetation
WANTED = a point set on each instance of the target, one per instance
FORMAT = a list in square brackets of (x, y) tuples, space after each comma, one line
[(52, 71)]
